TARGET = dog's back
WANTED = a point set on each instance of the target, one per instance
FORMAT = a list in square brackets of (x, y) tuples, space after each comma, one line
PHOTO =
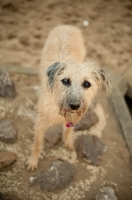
[(65, 43)]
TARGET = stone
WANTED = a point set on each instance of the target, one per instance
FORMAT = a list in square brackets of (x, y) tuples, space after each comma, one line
[(7, 132), (59, 175), (88, 120), (93, 147), (7, 158), (53, 135), (106, 193), (7, 87)]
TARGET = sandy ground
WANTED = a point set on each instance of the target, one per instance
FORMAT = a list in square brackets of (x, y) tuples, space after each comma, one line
[(114, 168), (24, 26)]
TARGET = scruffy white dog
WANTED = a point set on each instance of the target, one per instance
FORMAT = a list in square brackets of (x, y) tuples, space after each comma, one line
[(68, 86)]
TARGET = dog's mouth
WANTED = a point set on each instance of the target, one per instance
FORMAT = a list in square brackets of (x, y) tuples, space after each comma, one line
[(71, 117), (69, 124)]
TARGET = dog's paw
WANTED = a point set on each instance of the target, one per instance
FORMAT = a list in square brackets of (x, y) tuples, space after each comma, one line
[(70, 145), (32, 164)]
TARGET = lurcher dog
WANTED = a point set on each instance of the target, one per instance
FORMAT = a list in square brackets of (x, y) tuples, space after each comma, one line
[(68, 86)]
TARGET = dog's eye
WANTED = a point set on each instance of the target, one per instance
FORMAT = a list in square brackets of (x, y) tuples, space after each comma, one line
[(86, 84), (66, 81)]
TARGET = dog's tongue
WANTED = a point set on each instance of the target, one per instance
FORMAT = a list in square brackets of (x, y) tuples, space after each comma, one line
[(69, 124)]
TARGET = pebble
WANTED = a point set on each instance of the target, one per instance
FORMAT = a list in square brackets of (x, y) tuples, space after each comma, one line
[(106, 193), (7, 158), (85, 23)]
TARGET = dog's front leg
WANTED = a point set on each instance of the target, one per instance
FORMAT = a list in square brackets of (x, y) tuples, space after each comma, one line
[(67, 137), (40, 128)]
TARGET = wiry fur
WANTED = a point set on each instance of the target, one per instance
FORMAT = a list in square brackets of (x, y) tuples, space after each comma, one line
[(63, 57)]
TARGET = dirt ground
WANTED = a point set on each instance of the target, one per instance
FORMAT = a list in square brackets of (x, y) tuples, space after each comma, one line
[(24, 26), (114, 168)]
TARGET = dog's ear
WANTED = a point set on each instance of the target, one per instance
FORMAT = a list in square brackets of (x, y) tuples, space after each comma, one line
[(105, 82), (51, 71)]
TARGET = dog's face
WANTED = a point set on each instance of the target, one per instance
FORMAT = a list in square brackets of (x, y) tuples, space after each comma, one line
[(75, 86)]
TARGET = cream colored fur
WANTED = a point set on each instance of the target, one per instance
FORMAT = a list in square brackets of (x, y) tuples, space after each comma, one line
[(64, 45)]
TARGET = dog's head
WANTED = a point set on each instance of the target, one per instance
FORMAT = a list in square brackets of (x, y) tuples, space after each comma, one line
[(75, 86)]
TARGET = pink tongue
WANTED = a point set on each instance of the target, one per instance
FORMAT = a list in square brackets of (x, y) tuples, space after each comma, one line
[(70, 124)]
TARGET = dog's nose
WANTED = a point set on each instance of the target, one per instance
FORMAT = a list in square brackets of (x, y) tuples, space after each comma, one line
[(74, 106)]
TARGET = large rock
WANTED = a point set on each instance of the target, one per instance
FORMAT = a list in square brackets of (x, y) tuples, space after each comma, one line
[(59, 175), (106, 193), (7, 131), (7, 158)]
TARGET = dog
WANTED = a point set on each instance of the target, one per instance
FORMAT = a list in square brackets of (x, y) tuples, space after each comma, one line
[(69, 85)]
